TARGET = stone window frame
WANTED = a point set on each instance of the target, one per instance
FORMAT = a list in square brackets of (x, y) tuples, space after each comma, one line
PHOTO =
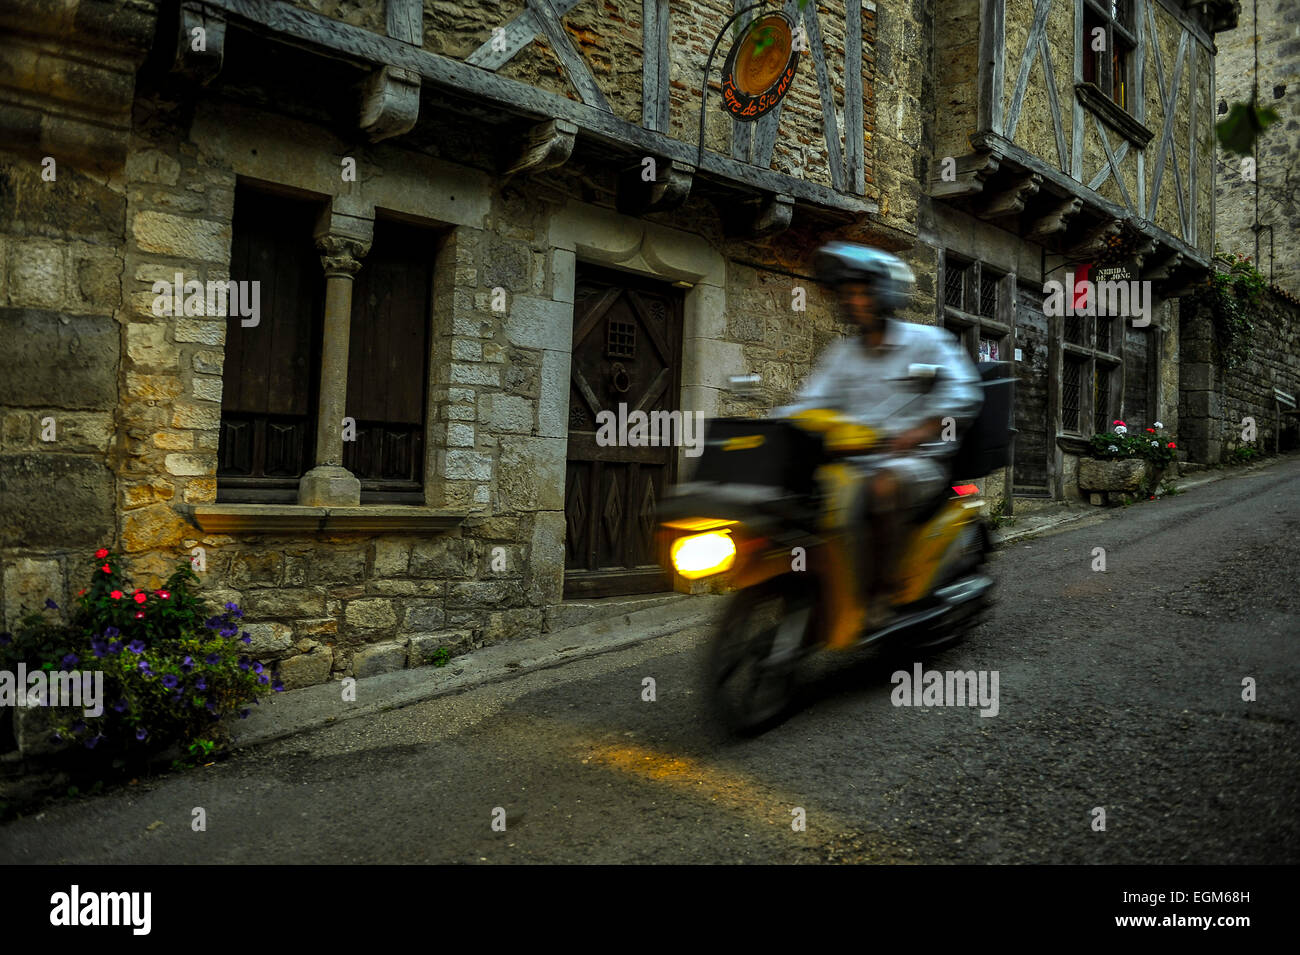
[(1091, 357), (410, 186), (1096, 95)]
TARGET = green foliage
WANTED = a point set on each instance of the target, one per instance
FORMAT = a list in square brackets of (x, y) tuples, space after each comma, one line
[(1169, 487), (1244, 123), (1232, 297), (1151, 444), (1243, 454), (172, 673), (440, 657)]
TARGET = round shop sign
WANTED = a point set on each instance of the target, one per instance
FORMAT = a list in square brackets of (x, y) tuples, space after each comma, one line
[(760, 67)]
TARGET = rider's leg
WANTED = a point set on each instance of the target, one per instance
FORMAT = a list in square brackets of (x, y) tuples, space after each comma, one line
[(884, 512)]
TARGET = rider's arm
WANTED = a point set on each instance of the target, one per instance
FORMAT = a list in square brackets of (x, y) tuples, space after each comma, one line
[(956, 393), (820, 389)]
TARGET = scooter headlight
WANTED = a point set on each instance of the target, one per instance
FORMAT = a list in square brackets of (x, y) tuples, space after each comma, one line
[(701, 555)]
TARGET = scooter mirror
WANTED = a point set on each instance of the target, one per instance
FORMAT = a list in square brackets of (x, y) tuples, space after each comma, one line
[(922, 371)]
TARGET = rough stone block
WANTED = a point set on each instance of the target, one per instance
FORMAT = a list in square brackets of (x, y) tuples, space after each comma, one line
[(484, 594), (182, 237), (307, 669), (392, 558), (77, 357), (28, 583), (370, 613), (507, 413), (67, 501), (540, 323), (336, 566), (423, 616), (445, 557), (422, 647), (1122, 475), (257, 569), (286, 604), (268, 638), (379, 658)]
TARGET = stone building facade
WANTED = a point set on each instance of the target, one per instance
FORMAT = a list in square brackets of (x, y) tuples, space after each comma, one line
[(461, 259), (1272, 195)]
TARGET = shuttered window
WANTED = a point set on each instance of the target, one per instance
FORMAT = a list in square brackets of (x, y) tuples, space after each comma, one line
[(388, 354), (268, 403)]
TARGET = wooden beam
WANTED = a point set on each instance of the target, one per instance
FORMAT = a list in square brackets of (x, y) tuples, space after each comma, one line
[(390, 99), (548, 18), (199, 27), (668, 190), (1026, 62), (1053, 103), (545, 146), (971, 171), (406, 20), (1193, 88), (518, 33), (774, 215), (1054, 220), (1104, 172), (830, 124), (1114, 165), (351, 44), (1164, 267), (992, 67), (1009, 200), (854, 135), (654, 65)]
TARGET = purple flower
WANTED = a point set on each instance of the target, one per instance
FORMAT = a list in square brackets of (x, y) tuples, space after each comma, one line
[(141, 733), (232, 606), (187, 664), (115, 646), (98, 648), (70, 660), (257, 668), (144, 665), (212, 659), (263, 679), (170, 681), (212, 707), (229, 631), (177, 697), (244, 663), (201, 685), (136, 646), (212, 623), (111, 632), (120, 706), (278, 686), (246, 638), (6, 638), (50, 604), (237, 613)]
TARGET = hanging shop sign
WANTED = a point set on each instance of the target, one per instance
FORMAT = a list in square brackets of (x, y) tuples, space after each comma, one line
[(760, 67)]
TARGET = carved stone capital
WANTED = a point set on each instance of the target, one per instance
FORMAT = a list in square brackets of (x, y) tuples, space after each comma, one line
[(341, 255)]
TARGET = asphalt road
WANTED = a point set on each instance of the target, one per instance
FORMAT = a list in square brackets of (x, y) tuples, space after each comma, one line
[(1119, 689)]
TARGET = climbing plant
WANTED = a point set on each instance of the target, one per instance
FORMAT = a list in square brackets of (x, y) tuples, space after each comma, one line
[(1232, 295)]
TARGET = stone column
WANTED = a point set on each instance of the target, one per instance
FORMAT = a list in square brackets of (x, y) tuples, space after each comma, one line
[(329, 483)]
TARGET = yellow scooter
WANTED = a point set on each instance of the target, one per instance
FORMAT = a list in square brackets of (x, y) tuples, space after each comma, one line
[(765, 507)]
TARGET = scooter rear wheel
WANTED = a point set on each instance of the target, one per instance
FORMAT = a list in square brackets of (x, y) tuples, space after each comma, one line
[(752, 656)]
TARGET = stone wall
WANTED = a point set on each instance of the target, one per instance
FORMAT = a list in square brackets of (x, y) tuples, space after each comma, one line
[(1278, 149), (1214, 399)]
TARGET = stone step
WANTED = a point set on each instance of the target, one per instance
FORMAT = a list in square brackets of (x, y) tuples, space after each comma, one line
[(576, 613)]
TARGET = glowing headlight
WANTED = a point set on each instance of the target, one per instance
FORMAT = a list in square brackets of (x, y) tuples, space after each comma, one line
[(703, 554)]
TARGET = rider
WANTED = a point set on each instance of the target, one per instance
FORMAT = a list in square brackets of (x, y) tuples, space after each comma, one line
[(873, 377)]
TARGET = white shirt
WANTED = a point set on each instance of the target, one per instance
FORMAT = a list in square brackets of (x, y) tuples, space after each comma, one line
[(874, 386)]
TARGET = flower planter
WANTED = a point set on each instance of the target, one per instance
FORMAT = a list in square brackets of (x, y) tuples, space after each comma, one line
[(1109, 482)]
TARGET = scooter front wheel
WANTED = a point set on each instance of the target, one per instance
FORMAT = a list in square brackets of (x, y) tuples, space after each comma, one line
[(752, 656)]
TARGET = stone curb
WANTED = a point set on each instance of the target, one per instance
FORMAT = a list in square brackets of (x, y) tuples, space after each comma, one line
[(312, 707)]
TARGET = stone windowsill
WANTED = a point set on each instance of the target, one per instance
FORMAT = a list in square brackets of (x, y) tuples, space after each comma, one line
[(298, 518), (1073, 444), (1112, 114)]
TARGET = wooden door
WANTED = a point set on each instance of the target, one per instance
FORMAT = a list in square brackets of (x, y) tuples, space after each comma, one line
[(626, 350)]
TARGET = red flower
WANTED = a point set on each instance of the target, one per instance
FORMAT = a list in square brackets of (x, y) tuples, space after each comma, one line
[(101, 553), (139, 615), (106, 569), (116, 595), (141, 596), (163, 594), (1171, 445), (81, 591), (1151, 430)]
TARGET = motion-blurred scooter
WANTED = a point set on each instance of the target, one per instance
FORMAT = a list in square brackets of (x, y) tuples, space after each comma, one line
[(764, 508)]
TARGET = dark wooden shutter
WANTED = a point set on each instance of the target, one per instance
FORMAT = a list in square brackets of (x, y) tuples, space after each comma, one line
[(388, 355), (268, 402)]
